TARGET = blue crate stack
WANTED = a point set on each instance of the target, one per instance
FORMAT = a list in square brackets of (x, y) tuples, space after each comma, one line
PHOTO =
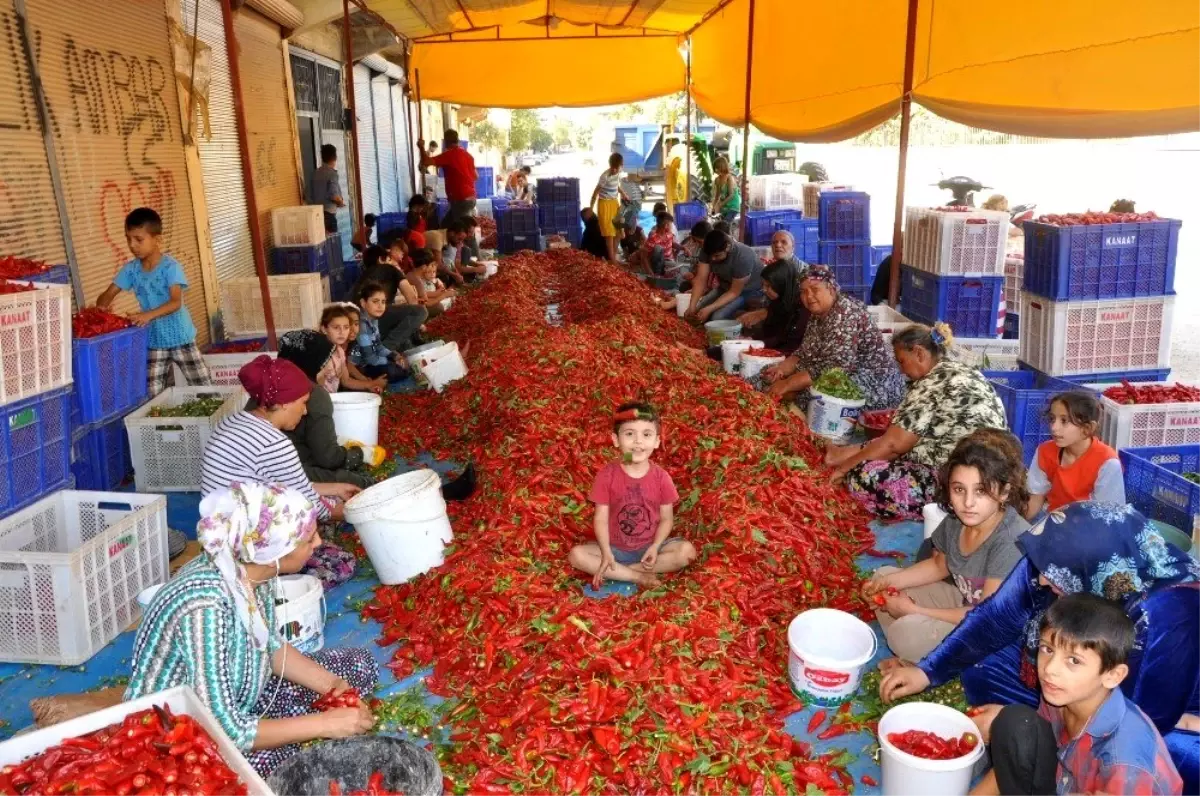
[(517, 228), (806, 235), (688, 214), (35, 448), (385, 223), (760, 224), (558, 208), (844, 240), (1155, 485), (485, 182)]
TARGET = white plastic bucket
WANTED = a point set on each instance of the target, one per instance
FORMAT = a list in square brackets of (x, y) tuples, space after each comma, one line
[(403, 525), (146, 595), (440, 366), (905, 774), (413, 354), (682, 302), (356, 417), (719, 331), (300, 612), (933, 515), (491, 268), (731, 352), (827, 652), (833, 418), (447, 303), (752, 365)]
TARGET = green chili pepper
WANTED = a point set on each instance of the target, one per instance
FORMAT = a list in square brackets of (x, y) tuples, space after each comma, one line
[(836, 383)]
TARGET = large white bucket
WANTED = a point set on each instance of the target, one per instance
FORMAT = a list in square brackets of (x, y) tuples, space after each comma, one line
[(753, 365), (440, 366), (403, 525), (905, 774), (413, 355), (827, 652), (356, 417), (682, 302), (731, 353), (146, 595), (833, 418), (300, 612), (933, 515), (719, 331)]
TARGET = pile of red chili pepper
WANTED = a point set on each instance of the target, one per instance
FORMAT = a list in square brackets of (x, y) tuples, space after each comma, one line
[(350, 698), (237, 346), (148, 752), (1096, 217), (21, 267), (931, 746), (487, 232), (93, 322), (683, 688), (766, 353), (1126, 393), (375, 787), (15, 287)]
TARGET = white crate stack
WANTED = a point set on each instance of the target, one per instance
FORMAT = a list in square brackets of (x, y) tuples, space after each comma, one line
[(35, 341), (1148, 425), (888, 321), (167, 452), (1014, 273), (298, 226), (777, 191), (71, 567), (1074, 338), (812, 195), (955, 243), (297, 301)]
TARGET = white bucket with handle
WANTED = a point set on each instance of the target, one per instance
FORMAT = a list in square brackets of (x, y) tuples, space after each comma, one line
[(300, 612), (413, 354), (403, 525), (833, 418), (753, 364), (933, 515), (682, 302), (440, 366), (731, 353), (904, 774), (827, 652), (356, 417)]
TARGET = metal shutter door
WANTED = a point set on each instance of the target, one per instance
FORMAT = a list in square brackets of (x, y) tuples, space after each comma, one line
[(220, 159), (403, 145), (110, 84), (28, 221), (385, 142), (368, 158), (332, 109), (268, 117)]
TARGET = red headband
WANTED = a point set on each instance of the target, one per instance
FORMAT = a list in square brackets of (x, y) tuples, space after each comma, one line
[(273, 382)]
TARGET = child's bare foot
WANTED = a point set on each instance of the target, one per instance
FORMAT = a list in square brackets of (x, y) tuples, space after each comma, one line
[(648, 580)]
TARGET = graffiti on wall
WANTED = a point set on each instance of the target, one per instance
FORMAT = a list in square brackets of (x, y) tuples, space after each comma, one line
[(265, 175)]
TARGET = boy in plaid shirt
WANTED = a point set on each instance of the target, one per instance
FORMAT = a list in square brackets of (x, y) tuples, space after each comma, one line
[(158, 281)]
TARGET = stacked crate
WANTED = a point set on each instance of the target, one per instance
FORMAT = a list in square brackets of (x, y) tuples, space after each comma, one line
[(761, 224), (954, 268), (517, 228), (776, 192), (558, 208), (485, 182), (806, 236), (300, 244), (1098, 300), (844, 235)]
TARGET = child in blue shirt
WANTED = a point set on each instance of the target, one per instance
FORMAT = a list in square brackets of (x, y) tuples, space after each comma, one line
[(372, 357), (158, 281)]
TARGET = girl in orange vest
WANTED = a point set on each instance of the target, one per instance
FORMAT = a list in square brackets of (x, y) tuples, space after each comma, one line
[(1073, 465)]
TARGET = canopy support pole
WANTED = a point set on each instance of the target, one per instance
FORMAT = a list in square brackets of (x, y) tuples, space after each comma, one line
[(421, 129), (412, 168), (746, 130), (687, 149), (349, 45), (910, 42), (239, 112)]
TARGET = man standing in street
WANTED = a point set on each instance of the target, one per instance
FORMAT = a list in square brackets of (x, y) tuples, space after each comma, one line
[(458, 168), (326, 189)]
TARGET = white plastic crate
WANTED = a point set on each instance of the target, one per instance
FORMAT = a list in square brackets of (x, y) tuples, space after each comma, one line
[(181, 700), (955, 243), (71, 566), (297, 301), (298, 226), (888, 320), (812, 195), (1014, 273), (1147, 425), (223, 368), (167, 452), (35, 341), (777, 191), (986, 353), (1066, 338)]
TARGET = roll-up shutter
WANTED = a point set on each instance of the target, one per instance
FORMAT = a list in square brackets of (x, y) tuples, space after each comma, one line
[(220, 158), (404, 144), (368, 158), (268, 116), (110, 85), (385, 143), (28, 224)]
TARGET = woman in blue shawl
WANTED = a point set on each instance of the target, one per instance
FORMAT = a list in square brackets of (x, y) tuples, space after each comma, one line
[(1112, 552)]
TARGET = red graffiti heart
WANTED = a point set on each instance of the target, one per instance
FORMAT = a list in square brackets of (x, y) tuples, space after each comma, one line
[(116, 203)]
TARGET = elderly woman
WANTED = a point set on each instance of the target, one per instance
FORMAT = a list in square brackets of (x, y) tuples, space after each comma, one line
[(840, 334), (213, 627), (895, 475), (1110, 551)]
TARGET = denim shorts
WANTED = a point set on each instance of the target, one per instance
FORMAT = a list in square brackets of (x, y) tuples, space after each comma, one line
[(628, 557)]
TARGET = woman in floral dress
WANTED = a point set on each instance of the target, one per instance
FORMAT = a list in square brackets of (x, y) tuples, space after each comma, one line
[(840, 334), (895, 475)]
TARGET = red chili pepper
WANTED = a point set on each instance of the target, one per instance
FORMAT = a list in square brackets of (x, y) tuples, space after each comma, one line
[(93, 322), (868, 780), (350, 698), (816, 721), (21, 267), (920, 743), (832, 731)]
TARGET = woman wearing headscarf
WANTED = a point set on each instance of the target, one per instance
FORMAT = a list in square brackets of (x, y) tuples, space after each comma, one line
[(213, 627), (1107, 550), (782, 323)]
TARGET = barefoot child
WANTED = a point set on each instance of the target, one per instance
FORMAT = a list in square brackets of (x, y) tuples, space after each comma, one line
[(336, 325), (1073, 465), (635, 501)]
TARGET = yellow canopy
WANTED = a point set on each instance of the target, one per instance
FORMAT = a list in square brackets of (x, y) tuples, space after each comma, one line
[(823, 70)]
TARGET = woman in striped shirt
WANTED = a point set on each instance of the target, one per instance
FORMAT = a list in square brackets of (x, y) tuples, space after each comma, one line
[(251, 446)]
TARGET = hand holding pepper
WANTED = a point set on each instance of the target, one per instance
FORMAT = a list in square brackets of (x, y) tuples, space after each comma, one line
[(876, 584), (899, 604), (983, 716), (140, 318), (347, 722)]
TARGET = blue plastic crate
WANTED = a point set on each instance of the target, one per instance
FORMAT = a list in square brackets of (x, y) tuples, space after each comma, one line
[(341, 284), (850, 262), (55, 275), (443, 207), (1154, 483), (35, 448), (970, 304), (485, 182), (386, 222), (845, 216), (555, 190), (517, 220), (1012, 325), (560, 216), (300, 259), (1026, 396), (101, 460), (760, 224), (880, 253), (804, 232), (1101, 260), (333, 250), (1114, 376), (689, 214), (511, 242), (110, 373), (499, 204)]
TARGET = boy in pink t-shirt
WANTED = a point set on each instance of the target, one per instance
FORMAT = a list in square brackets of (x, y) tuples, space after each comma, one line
[(635, 511)]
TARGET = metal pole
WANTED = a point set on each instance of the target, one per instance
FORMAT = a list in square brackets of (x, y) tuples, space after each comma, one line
[(358, 201), (910, 43), (412, 169), (421, 129), (239, 111), (746, 130), (687, 86)]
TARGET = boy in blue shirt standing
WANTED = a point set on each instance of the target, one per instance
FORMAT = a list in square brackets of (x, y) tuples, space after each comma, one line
[(158, 281)]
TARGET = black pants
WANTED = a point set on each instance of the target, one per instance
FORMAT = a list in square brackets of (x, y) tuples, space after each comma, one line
[(1024, 752), (400, 326), (330, 223)]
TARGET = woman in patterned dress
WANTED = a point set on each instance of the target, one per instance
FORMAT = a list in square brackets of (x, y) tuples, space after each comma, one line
[(895, 475), (213, 627), (1112, 552), (839, 334)]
